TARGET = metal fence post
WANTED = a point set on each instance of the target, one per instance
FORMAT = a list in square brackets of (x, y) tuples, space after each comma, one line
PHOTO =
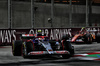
[(32, 13), (70, 13), (9, 14), (52, 12), (86, 13), (90, 12)]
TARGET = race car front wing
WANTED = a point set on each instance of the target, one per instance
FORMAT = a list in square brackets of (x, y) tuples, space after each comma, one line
[(48, 53)]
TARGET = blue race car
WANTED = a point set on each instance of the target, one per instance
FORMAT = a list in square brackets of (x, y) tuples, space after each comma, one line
[(31, 45)]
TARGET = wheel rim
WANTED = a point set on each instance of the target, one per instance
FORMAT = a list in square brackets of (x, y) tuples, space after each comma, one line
[(24, 51), (13, 48)]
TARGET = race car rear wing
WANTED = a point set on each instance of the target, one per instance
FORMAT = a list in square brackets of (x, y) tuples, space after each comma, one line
[(92, 30), (27, 36)]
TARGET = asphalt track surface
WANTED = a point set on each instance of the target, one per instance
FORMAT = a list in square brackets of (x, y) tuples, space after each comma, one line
[(7, 59)]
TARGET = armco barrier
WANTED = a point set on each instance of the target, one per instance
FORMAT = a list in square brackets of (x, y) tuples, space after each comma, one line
[(8, 35)]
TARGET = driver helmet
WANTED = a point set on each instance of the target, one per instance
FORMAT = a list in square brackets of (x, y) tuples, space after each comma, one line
[(39, 31), (83, 28)]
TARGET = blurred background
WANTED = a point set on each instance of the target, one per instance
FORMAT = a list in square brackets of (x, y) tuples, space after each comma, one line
[(22, 14)]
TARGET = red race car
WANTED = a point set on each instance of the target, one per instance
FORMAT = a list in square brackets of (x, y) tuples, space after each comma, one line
[(83, 36), (86, 36)]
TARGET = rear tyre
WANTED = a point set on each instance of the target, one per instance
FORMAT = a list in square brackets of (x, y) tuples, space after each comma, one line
[(27, 47), (98, 37), (65, 37), (88, 38), (16, 47)]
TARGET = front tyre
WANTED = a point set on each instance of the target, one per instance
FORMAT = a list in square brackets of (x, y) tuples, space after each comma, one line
[(16, 47), (68, 47), (26, 48)]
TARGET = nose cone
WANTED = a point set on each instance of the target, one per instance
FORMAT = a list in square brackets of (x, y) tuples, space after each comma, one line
[(74, 38)]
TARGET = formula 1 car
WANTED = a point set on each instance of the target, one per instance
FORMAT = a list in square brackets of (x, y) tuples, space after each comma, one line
[(31, 45), (86, 37), (83, 36)]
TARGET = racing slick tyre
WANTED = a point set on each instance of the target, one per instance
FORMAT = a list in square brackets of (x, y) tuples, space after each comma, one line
[(88, 38), (98, 37), (16, 47), (26, 48), (68, 47), (65, 37)]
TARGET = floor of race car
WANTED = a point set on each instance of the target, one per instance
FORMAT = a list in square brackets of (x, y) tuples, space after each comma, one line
[(7, 59)]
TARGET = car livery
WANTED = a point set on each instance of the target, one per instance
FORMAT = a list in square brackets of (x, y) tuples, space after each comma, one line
[(31, 45), (86, 37)]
